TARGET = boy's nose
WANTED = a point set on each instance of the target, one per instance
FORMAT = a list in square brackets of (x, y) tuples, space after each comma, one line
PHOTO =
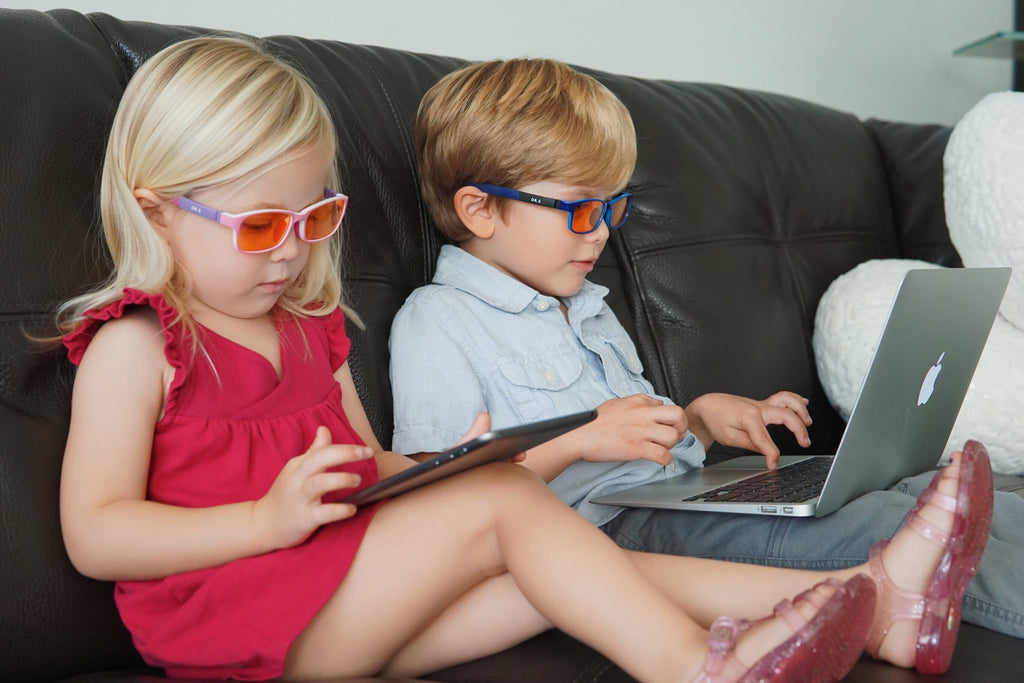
[(600, 233)]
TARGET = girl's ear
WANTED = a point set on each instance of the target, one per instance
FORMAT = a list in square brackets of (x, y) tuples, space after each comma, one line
[(476, 211), (157, 210)]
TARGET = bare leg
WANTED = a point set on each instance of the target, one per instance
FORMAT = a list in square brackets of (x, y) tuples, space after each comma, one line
[(433, 562), (706, 589), (427, 549), (497, 606)]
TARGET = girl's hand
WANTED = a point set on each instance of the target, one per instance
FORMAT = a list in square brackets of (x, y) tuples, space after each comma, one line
[(741, 422), (292, 509)]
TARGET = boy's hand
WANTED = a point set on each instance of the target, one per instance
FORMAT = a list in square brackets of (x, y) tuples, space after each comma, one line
[(741, 422), (292, 509), (481, 425), (631, 428)]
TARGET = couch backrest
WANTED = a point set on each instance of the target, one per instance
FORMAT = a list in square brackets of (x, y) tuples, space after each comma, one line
[(749, 204)]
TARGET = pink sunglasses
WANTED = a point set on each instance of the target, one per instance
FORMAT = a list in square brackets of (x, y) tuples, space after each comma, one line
[(266, 229)]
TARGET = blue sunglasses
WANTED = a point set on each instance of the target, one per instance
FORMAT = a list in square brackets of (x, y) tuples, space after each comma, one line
[(584, 214)]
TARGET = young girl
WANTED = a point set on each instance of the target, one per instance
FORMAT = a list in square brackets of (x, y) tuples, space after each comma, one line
[(215, 424)]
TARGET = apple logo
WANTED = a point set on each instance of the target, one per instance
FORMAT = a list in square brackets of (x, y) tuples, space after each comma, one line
[(928, 385)]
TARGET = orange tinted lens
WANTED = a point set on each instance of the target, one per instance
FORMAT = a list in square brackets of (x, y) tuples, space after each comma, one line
[(263, 231), (324, 220), (620, 209), (586, 216)]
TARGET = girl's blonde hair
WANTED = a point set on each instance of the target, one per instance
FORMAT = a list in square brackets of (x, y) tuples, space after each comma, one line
[(198, 114), (515, 122)]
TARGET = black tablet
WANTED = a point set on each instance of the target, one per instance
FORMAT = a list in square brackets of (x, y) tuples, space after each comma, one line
[(498, 444)]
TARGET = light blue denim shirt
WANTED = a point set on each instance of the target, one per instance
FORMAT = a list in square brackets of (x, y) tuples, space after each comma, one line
[(479, 340)]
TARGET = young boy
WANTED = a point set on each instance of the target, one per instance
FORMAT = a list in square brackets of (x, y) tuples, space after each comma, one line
[(523, 164)]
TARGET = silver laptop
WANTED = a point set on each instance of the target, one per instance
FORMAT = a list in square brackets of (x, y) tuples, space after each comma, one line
[(937, 328)]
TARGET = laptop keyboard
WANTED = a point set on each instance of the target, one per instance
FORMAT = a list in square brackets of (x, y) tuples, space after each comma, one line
[(795, 483)]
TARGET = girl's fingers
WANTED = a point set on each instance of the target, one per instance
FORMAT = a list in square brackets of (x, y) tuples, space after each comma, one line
[(333, 512), (331, 456), (321, 438), (326, 482)]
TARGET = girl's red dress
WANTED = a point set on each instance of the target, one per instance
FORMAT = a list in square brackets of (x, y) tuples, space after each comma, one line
[(228, 427)]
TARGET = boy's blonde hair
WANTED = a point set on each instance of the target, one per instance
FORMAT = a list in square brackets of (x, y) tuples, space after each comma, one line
[(517, 122), (198, 114)]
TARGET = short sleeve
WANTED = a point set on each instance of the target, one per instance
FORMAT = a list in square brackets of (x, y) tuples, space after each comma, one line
[(176, 342), (78, 340), (338, 341)]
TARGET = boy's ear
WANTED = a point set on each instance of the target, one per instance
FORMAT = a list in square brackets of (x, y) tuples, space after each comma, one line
[(476, 211), (157, 210)]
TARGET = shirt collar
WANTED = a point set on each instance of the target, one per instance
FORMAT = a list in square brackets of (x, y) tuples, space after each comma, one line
[(457, 268)]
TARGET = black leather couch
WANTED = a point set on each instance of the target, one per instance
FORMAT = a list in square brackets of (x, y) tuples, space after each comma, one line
[(749, 204)]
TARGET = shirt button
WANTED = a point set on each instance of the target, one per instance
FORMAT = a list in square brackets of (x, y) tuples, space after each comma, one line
[(549, 377), (543, 306), (634, 364)]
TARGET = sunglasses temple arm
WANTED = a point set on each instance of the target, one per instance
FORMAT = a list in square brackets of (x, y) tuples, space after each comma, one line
[(197, 209), (543, 201)]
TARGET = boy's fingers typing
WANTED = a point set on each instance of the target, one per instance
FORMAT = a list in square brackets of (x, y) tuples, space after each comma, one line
[(794, 402), (761, 442), (791, 419)]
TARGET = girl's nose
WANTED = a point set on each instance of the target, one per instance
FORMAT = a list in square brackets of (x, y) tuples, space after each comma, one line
[(288, 249)]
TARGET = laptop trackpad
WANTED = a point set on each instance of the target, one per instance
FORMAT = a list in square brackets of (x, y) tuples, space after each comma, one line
[(719, 474), (691, 483)]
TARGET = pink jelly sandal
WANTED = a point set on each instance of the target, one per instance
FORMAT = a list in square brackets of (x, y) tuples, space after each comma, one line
[(821, 649), (939, 607)]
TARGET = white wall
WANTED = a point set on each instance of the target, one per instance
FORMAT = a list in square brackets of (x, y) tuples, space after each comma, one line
[(883, 58)]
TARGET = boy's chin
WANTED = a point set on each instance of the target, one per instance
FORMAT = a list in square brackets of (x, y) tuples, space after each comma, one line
[(563, 290)]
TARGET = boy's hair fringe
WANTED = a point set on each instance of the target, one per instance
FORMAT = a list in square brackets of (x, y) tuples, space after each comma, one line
[(516, 122)]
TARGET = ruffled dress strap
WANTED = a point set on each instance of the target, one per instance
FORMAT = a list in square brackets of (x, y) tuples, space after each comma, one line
[(340, 344), (79, 339)]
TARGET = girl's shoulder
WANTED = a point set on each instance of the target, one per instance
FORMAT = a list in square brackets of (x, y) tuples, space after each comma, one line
[(135, 318), (131, 340)]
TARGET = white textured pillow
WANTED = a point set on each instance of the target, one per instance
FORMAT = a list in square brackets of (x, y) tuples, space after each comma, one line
[(847, 325), (983, 187)]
